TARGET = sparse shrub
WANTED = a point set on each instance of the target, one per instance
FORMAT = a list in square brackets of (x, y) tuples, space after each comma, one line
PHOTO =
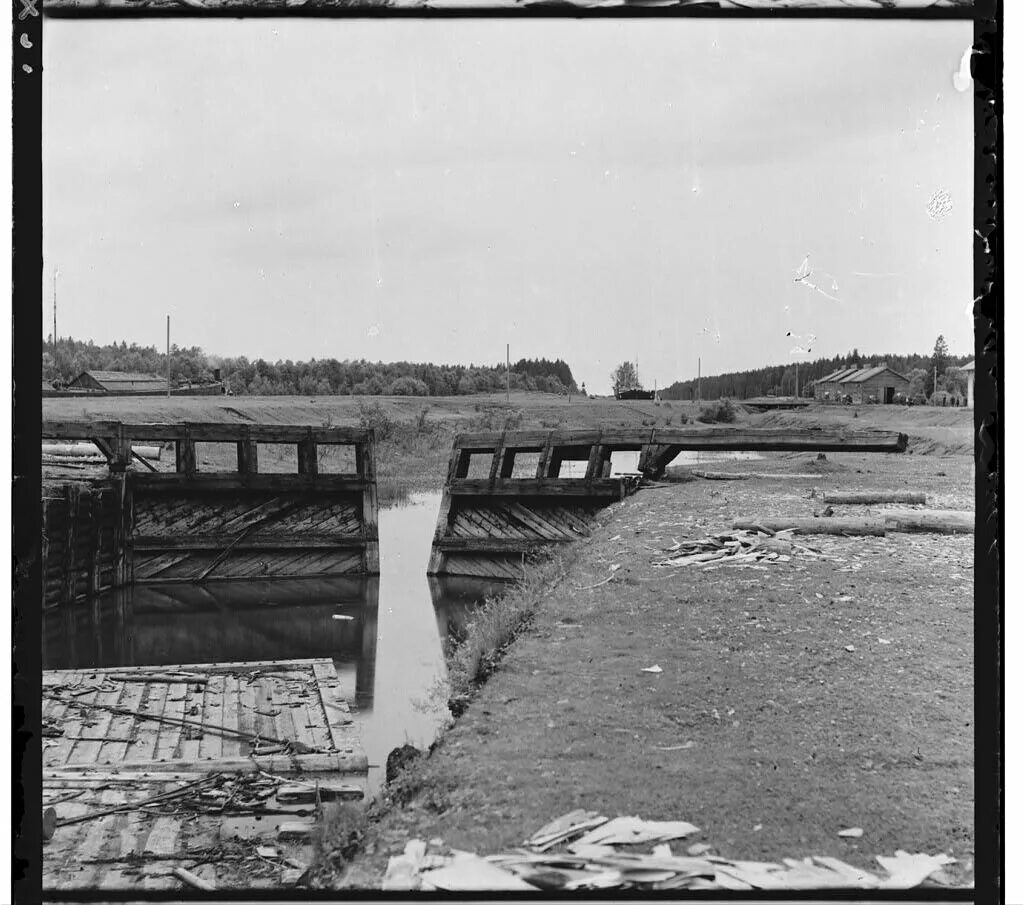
[(721, 411), (421, 421), (374, 415), (337, 839), (682, 418)]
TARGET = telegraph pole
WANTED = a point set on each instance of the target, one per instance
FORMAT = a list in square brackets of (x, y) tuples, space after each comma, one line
[(798, 379), (698, 378), (168, 356), (55, 312), (508, 397)]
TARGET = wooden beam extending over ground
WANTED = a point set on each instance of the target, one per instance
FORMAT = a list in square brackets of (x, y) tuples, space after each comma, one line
[(494, 511)]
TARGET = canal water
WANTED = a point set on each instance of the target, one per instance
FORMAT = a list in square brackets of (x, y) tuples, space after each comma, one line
[(385, 635)]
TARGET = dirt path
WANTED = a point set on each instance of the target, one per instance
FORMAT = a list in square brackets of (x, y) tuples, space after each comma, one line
[(764, 728)]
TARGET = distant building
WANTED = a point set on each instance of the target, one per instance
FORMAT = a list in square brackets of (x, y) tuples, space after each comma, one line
[(123, 382), (968, 370), (876, 384)]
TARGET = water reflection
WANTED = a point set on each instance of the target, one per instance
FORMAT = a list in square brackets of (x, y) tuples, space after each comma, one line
[(385, 635)]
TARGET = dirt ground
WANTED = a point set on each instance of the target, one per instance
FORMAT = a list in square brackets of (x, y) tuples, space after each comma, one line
[(763, 728)]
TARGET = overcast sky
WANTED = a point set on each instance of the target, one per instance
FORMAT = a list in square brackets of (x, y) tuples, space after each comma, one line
[(430, 190)]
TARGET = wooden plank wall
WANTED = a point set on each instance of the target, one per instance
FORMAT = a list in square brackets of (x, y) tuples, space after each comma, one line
[(83, 539), (191, 526)]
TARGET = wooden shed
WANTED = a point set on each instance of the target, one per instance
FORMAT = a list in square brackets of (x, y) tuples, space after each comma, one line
[(124, 382), (828, 386), (968, 370), (878, 384)]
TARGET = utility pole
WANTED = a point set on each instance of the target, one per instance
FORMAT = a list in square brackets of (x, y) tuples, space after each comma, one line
[(168, 356), (698, 378), (798, 380), (54, 312), (935, 380), (508, 396)]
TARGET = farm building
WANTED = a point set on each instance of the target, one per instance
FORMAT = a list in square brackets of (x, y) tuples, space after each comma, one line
[(829, 384), (119, 382), (968, 370), (877, 384)]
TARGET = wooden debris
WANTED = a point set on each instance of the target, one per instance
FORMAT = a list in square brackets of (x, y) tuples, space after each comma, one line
[(848, 526), (294, 829), (590, 865), (733, 548), (874, 496), (564, 828), (941, 521), (186, 876)]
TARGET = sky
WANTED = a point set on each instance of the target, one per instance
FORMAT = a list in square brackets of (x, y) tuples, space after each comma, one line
[(741, 191)]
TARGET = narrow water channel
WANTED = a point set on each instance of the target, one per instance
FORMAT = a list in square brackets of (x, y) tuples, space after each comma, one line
[(385, 635)]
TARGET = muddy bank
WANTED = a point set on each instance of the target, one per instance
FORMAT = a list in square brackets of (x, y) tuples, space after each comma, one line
[(795, 698)]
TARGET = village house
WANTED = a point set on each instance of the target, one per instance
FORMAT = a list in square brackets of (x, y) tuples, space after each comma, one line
[(119, 382), (876, 384)]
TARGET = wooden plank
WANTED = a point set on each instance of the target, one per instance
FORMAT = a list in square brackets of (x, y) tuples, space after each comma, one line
[(231, 745), (874, 496), (302, 541), (211, 744), (536, 521), (349, 760), (327, 685), (248, 457), (88, 749), (147, 732), (724, 438), (208, 431), (942, 521), (613, 488), (308, 463), (366, 465), (496, 544), (167, 482), (852, 526)]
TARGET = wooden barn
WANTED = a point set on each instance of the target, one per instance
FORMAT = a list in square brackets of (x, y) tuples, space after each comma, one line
[(828, 386), (119, 382), (968, 370), (878, 384)]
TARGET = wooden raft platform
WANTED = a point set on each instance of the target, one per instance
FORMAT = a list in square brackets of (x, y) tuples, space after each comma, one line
[(219, 744), (494, 512), (191, 525)]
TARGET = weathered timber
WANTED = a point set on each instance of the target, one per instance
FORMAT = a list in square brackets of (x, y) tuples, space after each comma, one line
[(612, 488), (874, 496), (941, 521), (497, 544), (865, 526), (186, 525), (713, 438), (207, 432)]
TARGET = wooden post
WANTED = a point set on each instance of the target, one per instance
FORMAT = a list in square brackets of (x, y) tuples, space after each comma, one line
[(72, 493), (544, 461), (95, 500), (308, 460), (496, 459), (594, 462), (185, 455), (248, 455), (508, 463), (367, 468)]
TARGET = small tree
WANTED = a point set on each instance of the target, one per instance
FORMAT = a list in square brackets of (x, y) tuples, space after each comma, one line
[(940, 356), (624, 376)]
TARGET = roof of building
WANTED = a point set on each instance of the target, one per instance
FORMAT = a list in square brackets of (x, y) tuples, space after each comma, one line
[(121, 380), (967, 367), (860, 376)]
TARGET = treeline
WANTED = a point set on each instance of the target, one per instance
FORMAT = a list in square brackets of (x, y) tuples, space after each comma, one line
[(325, 376), (780, 380)]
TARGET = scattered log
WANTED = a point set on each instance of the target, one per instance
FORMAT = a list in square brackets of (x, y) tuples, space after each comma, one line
[(868, 526), (878, 496), (719, 476), (941, 521), (186, 876)]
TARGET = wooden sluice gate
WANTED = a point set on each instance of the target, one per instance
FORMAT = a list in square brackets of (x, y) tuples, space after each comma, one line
[(494, 512), (194, 525)]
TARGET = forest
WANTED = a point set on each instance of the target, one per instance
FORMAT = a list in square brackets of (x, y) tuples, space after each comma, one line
[(326, 376), (781, 380)]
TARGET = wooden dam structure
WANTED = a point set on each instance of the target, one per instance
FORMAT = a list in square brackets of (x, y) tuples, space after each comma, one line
[(506, 495), (186, 524)]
